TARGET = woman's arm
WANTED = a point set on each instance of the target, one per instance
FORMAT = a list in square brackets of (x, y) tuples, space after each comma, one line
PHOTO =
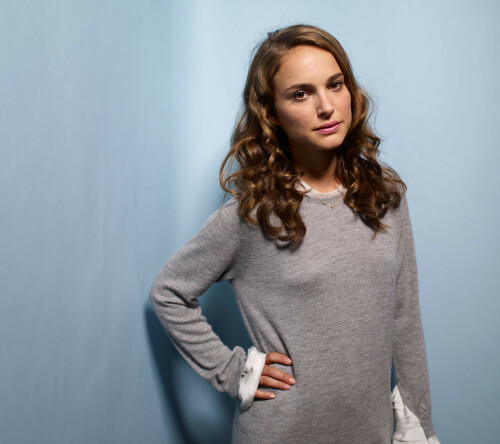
[(409, 354), (208, 257)]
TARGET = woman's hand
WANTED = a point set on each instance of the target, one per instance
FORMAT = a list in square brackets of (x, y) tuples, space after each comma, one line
[(273, 377)]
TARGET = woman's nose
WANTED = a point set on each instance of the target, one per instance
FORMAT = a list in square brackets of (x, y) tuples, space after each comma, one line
[(325, 105)]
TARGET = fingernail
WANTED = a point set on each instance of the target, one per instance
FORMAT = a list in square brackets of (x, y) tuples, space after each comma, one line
[(291, 380), (288, 361), (272, 395), (286, 386)]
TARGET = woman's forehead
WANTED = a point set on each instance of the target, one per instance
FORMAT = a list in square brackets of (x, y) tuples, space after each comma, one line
[(305, 64)]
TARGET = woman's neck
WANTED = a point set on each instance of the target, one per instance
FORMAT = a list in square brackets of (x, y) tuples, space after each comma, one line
[(318, 167)]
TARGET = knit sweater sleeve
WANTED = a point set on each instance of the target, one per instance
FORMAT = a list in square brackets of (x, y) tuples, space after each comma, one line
[(409, 354), (208, 257)]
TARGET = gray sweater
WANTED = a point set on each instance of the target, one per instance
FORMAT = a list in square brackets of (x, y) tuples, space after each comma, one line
[(343, 306)]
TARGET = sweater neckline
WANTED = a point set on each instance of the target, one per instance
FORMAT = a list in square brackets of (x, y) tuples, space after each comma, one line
[(310, 191)]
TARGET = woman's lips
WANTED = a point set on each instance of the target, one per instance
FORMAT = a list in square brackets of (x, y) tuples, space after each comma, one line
[(328, 128)]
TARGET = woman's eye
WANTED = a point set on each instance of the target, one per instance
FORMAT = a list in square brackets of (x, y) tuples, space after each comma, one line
[(337, 85), (299, 95)]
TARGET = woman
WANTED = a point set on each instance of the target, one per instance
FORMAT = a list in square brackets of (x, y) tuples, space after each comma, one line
[(318, 247)]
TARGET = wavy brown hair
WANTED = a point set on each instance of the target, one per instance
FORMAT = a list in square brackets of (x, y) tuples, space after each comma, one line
[(266, 178)]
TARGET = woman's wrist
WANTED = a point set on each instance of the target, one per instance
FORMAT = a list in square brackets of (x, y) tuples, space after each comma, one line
[(250, 377)]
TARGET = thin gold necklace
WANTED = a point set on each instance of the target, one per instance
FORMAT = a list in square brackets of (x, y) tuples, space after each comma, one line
[(334, 205), (326, 205)]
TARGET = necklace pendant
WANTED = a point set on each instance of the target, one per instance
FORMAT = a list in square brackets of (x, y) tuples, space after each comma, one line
[(331, 207)]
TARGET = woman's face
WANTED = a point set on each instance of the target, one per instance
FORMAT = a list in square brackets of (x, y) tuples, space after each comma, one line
[(312, 103)]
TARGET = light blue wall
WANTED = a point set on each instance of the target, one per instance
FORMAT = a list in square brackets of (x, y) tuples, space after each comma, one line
[(114, 119)]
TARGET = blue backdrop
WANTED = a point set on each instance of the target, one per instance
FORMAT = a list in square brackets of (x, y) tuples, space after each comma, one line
[(114, 119)]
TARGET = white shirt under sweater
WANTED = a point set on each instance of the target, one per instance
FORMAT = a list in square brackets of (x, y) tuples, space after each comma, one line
[(408, 427)]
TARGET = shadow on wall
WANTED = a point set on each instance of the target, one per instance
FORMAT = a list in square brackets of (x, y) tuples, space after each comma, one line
[(201, 414)]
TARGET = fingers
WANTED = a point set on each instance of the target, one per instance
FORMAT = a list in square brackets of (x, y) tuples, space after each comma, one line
[(269, 372), (273, 377), (272, 382), (264, 395), (277, 357)]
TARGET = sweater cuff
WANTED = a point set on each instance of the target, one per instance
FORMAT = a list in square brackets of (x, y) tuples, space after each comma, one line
[(249, 379), (409, 429)]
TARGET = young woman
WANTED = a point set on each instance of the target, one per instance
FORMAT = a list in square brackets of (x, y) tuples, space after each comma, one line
[(317, 245)]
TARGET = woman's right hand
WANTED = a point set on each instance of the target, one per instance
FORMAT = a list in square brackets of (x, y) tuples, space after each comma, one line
[(273, 377)]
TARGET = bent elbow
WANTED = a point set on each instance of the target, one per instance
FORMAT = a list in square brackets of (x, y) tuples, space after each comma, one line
[(155, 297)]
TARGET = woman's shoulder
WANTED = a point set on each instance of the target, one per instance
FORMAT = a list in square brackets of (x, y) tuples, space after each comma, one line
[(398, 217), (397, 192), (397, 213), (224, 218)]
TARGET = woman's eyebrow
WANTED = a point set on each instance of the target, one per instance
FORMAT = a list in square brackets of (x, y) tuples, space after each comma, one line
[(308, 85)]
